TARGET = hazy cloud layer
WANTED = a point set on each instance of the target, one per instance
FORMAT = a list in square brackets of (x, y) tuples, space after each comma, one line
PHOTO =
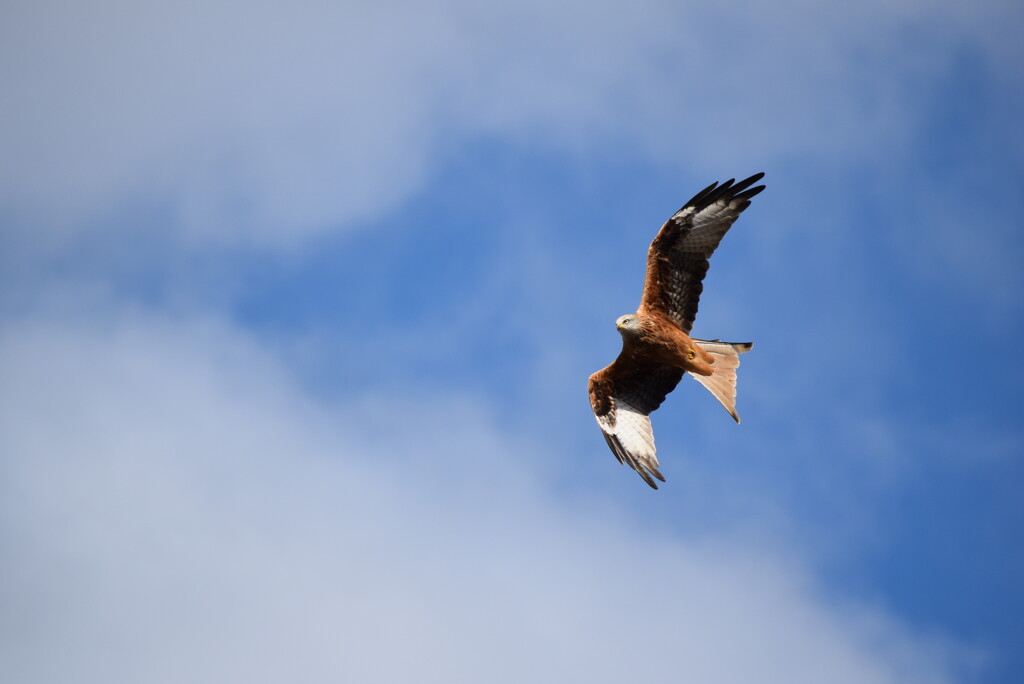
[(264, 122), (175, 510)]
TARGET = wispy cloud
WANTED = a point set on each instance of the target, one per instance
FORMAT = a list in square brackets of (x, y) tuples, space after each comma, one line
[(175, 509), (270, 123)]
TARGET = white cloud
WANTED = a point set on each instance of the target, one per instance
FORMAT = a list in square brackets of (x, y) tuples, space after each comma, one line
[(173, 509), (270, 122)]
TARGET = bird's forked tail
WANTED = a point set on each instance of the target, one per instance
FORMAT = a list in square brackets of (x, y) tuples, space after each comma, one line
[(722, 382)]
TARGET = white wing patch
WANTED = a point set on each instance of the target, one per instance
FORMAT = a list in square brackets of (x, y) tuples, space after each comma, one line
[(631, 439), (709, 227), (708, 224), (635, 433)]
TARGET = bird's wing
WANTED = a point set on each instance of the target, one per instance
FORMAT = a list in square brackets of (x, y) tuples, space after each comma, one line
[(678, 258), (623, 395)]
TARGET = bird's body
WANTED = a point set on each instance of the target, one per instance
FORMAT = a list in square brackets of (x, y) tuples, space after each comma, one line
[(644, 336), (657, 349)]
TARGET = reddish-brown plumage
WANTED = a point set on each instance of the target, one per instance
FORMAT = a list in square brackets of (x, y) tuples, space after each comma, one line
[(656, 346)]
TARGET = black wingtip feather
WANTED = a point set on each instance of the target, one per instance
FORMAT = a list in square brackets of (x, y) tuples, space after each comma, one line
[(746, 195), (730, 188), (712, 197), (699, 196), (746, 183), (646, 471), (625, 458)]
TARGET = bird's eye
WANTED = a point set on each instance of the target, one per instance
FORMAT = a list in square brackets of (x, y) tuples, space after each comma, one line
[(690, 354)]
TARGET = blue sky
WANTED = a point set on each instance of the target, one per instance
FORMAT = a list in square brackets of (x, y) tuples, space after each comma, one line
[(298, 304)]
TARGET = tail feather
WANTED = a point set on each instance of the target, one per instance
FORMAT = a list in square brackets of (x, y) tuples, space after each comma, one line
[(722, 383)]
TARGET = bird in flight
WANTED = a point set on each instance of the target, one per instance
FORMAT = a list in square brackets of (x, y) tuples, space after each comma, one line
[(657, 349)]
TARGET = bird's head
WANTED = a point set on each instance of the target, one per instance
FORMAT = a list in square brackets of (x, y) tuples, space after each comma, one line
[(628, 325)]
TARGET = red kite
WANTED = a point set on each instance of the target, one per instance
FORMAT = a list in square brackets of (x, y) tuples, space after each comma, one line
[(657, 349)]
